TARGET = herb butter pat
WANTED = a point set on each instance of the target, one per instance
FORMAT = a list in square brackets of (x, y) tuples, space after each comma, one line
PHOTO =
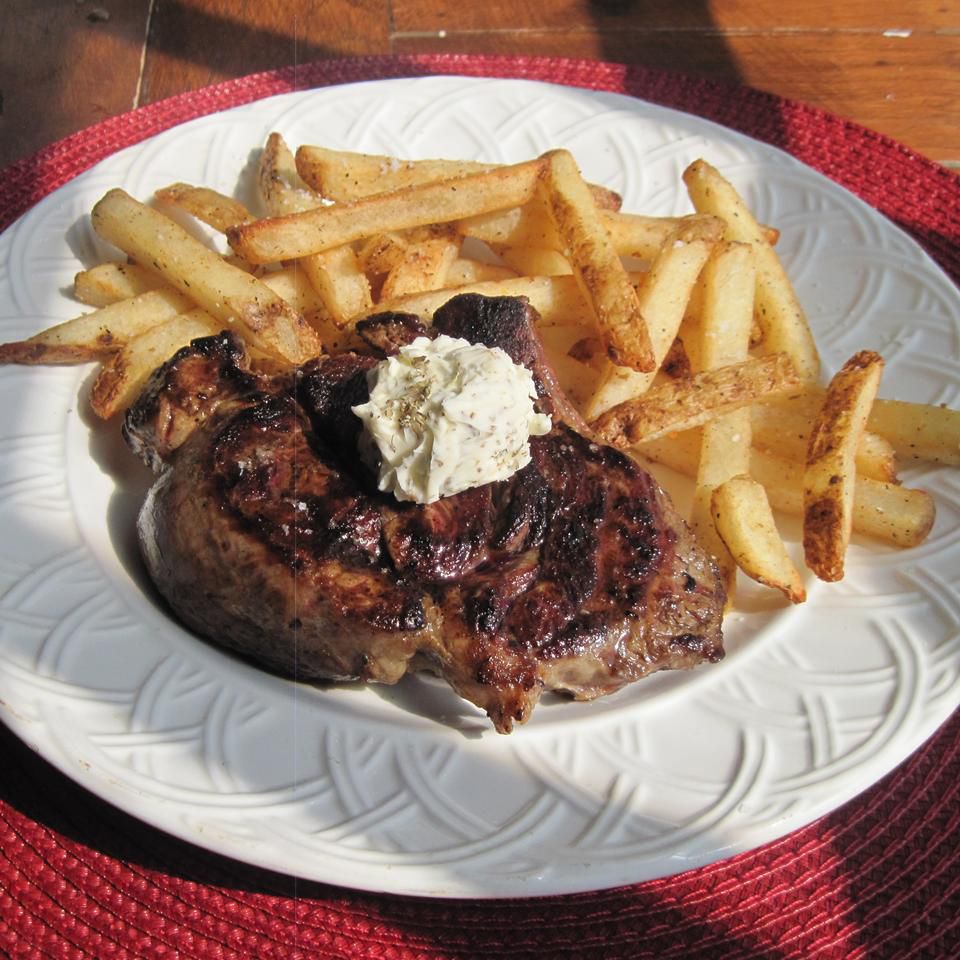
[(445, 415)]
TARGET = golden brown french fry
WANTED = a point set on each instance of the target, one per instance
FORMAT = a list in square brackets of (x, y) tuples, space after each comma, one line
[(887, 511), (743, 519), (677, 405), (292, 284), (779, 311), (279, 184), (918, 430), (783, 428), (209, 206), (301, 234), (110, 282), (467, 270), (830, 471), (98, 333), (536, 261), (900, 516), (423, 267), (380, 253), (227, 293), (598, 269), (124, 374), (663, 297), (632, 235), (336, 273), (341, 283), (723, 338), (345, 176)]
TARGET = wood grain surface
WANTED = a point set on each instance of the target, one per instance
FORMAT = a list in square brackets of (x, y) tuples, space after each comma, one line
[(893, 67)]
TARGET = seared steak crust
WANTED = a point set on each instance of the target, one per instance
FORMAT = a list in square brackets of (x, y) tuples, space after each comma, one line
[(266, 534)]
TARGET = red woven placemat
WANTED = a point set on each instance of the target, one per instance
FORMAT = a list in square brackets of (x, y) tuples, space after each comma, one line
[(878, 878)]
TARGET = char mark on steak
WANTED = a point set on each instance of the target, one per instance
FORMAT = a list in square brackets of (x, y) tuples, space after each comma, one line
[(267, 535)]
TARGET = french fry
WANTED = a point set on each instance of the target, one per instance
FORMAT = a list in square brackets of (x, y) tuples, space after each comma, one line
[(779, 311), (918, 430), (536, 261), (98, 333), (598, 269), (900, 516), (110, 282), (723, 338), (313, 231), (830, 471), (782, 428), (897, 515), (465, 270), (632, 235), (337, 277), (422, 267), (125, 373), (209, 206), (677, 405), (293, 285), (380, 253), (227, 293), (344, 176), (744, 521), (336, 273), (663, 297)]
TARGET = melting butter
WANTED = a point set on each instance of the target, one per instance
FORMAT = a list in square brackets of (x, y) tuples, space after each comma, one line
[(446, 415)]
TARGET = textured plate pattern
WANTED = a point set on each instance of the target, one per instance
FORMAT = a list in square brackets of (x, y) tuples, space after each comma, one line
[(406, 789)]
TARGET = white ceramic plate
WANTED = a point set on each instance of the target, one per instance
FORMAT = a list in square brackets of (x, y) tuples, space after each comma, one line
[(408, 789)]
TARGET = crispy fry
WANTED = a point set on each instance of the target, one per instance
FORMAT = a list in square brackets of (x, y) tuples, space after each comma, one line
[(123, 376), (723, 338), (110, 282), (224, 291), (743, 519), (465, 270), (422, 267), (783, 428), (98, 333), (778, 309), (897, 515), (918, 430), (336, 273), (344, 176), (598, 269), (209, 206), (380, 253), (536, 261), (632, 235), (301, 234), (829, 474), (677, 405), (663, 297)]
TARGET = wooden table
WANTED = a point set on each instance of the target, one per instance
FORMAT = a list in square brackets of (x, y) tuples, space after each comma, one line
[(894, 67)]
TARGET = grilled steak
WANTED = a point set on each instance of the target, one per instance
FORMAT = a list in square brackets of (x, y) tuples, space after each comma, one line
[(266, 534)]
